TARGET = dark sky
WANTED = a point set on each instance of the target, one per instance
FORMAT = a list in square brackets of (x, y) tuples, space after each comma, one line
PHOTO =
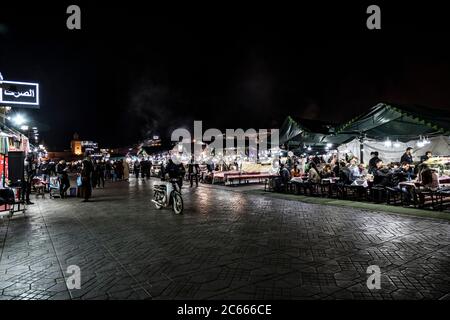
[(136, 69)]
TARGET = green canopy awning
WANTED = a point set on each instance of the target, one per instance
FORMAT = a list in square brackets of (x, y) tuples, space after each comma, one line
[(311, 133), (398, 122)]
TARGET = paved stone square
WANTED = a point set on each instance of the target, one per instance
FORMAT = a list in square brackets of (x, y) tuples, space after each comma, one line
[(229, 244)]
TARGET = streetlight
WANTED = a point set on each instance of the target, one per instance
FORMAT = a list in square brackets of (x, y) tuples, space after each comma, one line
[(19, 119)]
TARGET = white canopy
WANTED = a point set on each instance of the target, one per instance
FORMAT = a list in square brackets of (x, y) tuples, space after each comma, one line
[(439, 146)]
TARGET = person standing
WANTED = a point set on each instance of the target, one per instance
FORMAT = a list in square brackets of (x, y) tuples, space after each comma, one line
[(136, 168), (119, 170), (86, 175), (64, 182), (143, 165), (108, 170), (52, 168), (94, 178), (148, 169), (44, 170), (100, 172), (193, 171), (30, 173), (407, 156), (373, 162)]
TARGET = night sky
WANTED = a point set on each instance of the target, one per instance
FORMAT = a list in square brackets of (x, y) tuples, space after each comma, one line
[(135, 70)]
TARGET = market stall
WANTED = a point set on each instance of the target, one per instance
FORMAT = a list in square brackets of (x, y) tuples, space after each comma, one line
[(13, 148), (390, 129)]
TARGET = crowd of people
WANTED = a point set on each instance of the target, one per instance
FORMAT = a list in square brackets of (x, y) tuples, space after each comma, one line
[(90, 174), (349, 169)]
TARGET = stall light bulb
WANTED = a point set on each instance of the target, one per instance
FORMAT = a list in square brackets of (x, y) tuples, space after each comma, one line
[(388, 143), (19, 119)]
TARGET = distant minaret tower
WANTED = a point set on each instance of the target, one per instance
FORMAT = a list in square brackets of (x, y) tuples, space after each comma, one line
[(75, 145)]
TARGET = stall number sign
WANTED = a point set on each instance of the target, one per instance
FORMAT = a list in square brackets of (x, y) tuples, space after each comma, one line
[(23, 94)]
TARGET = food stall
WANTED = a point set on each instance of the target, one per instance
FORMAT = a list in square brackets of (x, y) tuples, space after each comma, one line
[(442, 167), (390, 129), (13, 148)]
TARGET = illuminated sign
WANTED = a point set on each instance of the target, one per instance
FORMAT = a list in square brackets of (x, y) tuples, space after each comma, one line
[(89, 144), (24, 94)]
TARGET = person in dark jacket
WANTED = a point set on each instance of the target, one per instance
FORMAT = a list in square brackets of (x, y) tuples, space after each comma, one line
[(148, 169), (64, 182), (100, 174), (30, 173), (174, 171), (426, 157), (136, 168), (119, 170), (407, 156), (344, 173), (44, 170), (94, 178), (86, 174), (399, 175), (193, 171), (382, 175), (108, 170), (373, 162), (280, 183)]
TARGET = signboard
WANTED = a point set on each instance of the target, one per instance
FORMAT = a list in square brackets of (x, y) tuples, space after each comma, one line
[(89, 144), (24, 94)]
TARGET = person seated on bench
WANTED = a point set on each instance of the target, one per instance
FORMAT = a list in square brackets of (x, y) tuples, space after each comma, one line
[(354, 170), (400, 175), (295, 172), (281, 181), (313, 174), (344, 174), (381, 175), (327, 172)]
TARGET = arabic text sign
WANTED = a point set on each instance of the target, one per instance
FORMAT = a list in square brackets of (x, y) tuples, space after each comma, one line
[(25, 94)]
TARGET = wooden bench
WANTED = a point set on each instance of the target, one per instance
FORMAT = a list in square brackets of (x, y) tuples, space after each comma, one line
[(247, 177)]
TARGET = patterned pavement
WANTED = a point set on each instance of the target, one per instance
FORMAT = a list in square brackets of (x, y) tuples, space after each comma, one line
[(228, 245)]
